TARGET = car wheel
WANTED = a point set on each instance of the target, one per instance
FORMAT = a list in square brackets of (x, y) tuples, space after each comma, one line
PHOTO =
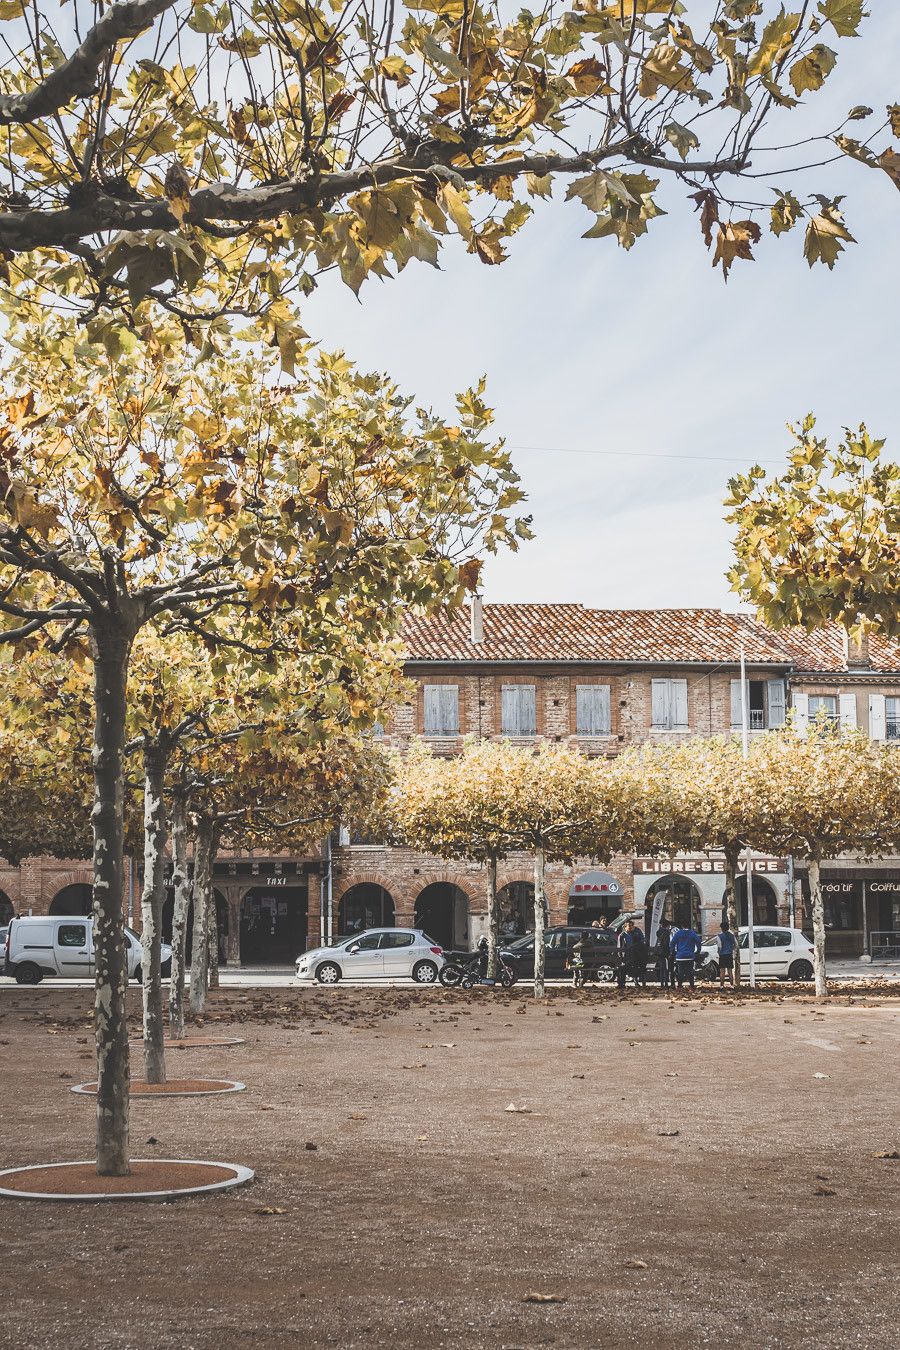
[(605, 974), (328, 973), (800, 970), (425, 972), (28, 973)]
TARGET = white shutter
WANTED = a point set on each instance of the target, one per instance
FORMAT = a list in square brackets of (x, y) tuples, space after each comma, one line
[(877, 717), (800, 704), (602, 710), (527, 710), (776, 703), (592, 710), (509, 710), (679, 703), (449, 710), (660, 703), (848, 712), (737, 715), (432, 710)]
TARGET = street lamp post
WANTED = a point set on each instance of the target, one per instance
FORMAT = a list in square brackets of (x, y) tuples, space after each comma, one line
[(748, 864)]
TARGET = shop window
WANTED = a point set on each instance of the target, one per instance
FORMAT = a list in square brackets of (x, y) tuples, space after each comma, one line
[(441, 710), (669, 709), (842, 907), (518, 710), (592, 710)]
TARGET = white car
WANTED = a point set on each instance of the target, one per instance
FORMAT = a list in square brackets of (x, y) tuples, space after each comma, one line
[(391, 953), (778, 954)]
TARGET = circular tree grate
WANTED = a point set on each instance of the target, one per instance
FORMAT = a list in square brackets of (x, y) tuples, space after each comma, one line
[(149, 1179), (174, 1087)]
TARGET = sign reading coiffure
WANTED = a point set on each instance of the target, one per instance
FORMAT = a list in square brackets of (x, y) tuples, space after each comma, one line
[(665, 866), (595, 883)]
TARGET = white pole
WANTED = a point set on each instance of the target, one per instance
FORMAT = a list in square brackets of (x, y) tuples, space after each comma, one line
[(748, 864)]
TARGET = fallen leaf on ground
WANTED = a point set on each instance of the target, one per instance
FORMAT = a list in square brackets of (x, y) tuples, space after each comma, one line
[(421, 1138), (450, 1045), (415, 1066), (311, 1147), (153, 1139), (892, 1153), (577, 1075), (824, 1190), (821, 1075), (668, 1134), (671, 1075), (520, 1110), (357, 1115), (634, 1263), (270, 1209), (543, 1298)]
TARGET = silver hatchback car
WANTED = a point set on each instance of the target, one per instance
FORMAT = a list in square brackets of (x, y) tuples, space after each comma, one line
[(390, 953)]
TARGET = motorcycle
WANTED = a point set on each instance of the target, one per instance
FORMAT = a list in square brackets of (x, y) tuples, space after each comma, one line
[(462, 970)]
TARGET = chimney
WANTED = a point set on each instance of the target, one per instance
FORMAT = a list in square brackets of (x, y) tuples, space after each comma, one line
[(856, 651), (476, 619)]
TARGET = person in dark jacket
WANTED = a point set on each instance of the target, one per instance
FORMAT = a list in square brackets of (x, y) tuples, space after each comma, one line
[(663, 969), (623, 943), (637, 966), (684, 945), (726, 944)]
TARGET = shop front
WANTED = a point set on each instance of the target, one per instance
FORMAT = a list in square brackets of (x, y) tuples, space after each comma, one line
[(594, 895), (862, 911), (695, 893)]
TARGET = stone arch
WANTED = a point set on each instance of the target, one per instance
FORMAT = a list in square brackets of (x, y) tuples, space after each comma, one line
[(75, 898), (7, 908), (373, 906), (442, 911), (765, 900), (515, 895)]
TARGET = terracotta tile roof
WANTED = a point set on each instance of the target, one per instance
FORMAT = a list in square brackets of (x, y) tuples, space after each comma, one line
[(575, 633), (824, 650)]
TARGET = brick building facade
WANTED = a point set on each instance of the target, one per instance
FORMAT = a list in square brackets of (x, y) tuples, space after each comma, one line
[(601, 679)]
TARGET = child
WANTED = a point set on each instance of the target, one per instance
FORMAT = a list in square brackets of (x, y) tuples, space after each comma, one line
[(576, 964)]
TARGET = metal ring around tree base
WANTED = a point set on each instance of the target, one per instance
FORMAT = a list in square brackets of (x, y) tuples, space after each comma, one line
[(237, 1176)]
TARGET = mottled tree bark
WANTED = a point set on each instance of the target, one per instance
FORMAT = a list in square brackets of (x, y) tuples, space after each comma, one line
[(182, 899), (200, 937), (539, 915), (155, 831), (818, 924), (732, 857), (493, 934), (212, 918), (111, 651)]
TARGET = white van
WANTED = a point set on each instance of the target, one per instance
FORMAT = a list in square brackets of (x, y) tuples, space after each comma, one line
[(62, 947)]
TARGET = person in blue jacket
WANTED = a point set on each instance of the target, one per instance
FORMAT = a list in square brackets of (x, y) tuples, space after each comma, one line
[(684, 946)]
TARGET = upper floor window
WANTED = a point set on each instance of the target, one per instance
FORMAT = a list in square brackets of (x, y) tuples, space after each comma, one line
[(669, 710), (441, 710), (592, 710), (518, 710), (892, 718), (765, 704), (824, 707)]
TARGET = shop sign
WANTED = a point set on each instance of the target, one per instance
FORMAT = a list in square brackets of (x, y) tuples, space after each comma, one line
[(273, 881), (665, 866), (595, 883)]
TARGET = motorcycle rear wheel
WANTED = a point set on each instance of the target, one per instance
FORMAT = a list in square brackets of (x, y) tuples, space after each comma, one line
[(450, 976)]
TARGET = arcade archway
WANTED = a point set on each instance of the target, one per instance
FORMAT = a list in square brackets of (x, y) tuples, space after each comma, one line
[(273, 925), (75, 899), (442, 911), (7, 908), (516, 902), (681, 905), (765, 901), (365, 905)]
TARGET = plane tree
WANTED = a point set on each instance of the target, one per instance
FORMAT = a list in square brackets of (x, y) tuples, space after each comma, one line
[(203, 162), (136, 492)]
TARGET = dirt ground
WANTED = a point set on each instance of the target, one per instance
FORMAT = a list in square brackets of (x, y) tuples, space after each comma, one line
[(687, 1173)]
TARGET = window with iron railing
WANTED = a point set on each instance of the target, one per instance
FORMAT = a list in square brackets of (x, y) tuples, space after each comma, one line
[(892, 718)]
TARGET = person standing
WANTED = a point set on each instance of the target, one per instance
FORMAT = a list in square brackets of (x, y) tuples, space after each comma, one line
[(684, 945), (624, 943), (726, 942), (638, 958), (663, 969)]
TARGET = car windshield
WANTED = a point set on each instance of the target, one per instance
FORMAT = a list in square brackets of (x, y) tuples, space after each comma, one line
[(521, 944)]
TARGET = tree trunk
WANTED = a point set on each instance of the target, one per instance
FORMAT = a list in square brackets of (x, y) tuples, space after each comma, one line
[(539, 923), (200, 943), (151, 912), (182, 887), (493, 934), (212, 917), (818, 921), (111, 654), (732, 858)]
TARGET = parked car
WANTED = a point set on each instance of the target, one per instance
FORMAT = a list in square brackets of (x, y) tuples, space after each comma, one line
[(391, 953), (61, 946), (778, 954), (600, 953)]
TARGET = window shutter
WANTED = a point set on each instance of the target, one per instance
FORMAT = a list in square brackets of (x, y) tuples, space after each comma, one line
[(449, 710), (432, 710), (737, 719), (877, 717), (602, 710), (800, 704), (848, 712), (583, 710), (527, 710), (660, 703), (509, 710), (776, 703), (680, 703)]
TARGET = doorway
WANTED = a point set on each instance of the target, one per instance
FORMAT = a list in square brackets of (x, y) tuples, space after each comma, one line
[(516, 905), (7, 909), (366, 905), (442, 912), (682, 903), (273, 925), (221, 921), (765, 901), (75, 899)]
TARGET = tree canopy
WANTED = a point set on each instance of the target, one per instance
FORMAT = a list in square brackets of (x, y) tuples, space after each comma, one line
[(207, 160)]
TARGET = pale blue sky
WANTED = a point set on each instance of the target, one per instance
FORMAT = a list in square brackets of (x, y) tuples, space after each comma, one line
[(588, 347)]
